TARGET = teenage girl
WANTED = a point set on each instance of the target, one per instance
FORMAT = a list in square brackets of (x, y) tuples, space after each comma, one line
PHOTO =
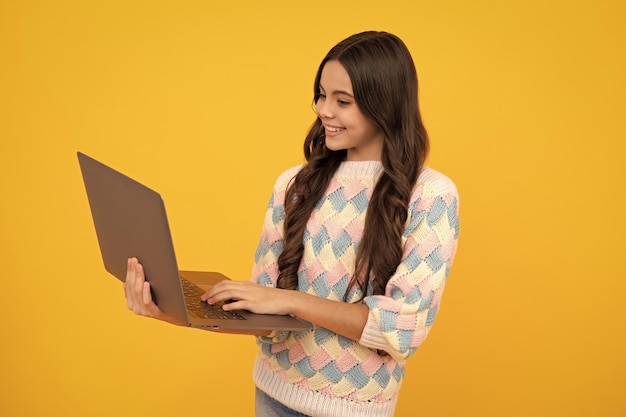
[(357, 242)]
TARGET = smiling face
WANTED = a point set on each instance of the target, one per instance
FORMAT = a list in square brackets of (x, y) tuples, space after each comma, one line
[(345, 125)]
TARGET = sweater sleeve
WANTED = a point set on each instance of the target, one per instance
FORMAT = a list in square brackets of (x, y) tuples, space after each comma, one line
[(265, 271), (399, 321)]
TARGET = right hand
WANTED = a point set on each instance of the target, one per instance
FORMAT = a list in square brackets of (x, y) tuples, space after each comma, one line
[(138, 296)]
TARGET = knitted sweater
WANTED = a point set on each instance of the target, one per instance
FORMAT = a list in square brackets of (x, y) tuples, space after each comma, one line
[(318, 372)]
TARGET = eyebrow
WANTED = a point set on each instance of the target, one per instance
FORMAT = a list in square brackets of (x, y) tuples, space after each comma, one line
[(336, 92)]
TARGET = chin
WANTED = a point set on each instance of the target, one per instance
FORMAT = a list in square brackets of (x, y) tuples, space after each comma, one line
[(334, 147)]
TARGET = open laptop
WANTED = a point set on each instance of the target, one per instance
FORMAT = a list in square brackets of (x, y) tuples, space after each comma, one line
[(130, 221)]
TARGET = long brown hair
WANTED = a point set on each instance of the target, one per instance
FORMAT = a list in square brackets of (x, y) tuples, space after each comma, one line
[(384, 83)]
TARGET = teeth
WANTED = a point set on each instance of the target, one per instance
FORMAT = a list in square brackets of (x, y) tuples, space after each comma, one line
[(334, 129)]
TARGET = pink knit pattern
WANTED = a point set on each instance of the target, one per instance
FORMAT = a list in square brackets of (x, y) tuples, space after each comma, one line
[(318, 372)]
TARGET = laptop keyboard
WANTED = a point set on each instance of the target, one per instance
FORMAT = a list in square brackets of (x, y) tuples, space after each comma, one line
[(202, 309)]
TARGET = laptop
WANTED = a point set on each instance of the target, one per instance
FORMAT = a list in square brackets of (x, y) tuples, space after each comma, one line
[(130, 221)]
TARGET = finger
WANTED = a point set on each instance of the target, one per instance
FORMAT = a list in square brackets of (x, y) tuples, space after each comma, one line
[(229, 292), (134, 286), (238, 295), (131, 279), (146, 295), (139, 277), (236, 305), (148, 304), (131, 273), (128, 283), (214, 290), (217, 297), (138, 287)]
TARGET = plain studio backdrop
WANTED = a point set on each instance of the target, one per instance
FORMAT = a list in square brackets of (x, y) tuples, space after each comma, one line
[(208, 102)]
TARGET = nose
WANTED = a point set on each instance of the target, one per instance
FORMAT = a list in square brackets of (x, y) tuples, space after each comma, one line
[(323, 109)]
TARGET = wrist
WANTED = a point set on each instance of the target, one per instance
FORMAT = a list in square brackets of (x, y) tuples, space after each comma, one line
[(293, 302)]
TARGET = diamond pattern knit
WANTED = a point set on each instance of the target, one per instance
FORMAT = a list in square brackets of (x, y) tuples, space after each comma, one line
[(318, 372)]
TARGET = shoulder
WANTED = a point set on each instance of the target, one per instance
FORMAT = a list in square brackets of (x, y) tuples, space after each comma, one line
[(434, 198), (432, 184), (286, 177)]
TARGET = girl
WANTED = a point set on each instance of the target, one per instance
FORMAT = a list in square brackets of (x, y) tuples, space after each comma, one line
[(358, 243)]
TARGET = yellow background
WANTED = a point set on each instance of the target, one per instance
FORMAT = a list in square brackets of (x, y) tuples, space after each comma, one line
[(208, 102)]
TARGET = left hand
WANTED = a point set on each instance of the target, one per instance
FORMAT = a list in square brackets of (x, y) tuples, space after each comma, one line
[(250, 296)]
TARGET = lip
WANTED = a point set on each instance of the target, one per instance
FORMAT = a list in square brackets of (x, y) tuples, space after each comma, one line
[(333, 130)]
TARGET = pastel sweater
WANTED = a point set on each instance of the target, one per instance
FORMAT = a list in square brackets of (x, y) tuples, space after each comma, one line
[(318, 372)]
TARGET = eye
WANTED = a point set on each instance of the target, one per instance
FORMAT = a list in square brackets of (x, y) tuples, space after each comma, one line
[(343, 103), (320, 96)]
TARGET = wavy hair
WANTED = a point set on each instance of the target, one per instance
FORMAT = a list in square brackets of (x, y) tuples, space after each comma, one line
[(384, 83)]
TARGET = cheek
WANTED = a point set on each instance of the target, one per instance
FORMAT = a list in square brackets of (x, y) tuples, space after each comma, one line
[(368, 128)]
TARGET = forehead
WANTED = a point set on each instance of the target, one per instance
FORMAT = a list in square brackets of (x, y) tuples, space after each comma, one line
[(334, 77)]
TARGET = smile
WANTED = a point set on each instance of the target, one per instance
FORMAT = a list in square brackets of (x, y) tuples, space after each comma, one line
[(334, 129)]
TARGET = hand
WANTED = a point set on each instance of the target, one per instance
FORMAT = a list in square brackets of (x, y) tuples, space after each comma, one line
[(138, 296), (249, 296), (346, 319)]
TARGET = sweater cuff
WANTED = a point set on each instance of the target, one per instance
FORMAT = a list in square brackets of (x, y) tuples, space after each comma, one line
[(275, 336), (372, 337)]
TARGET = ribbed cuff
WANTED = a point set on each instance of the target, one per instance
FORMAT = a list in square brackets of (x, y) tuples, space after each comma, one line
[(372, 337)]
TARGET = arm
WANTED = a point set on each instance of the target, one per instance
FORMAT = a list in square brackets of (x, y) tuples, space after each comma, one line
[(340, 317), (261, 296), (137, 289), (343, 318), (399, 321), (139, 299), (396, 321)]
